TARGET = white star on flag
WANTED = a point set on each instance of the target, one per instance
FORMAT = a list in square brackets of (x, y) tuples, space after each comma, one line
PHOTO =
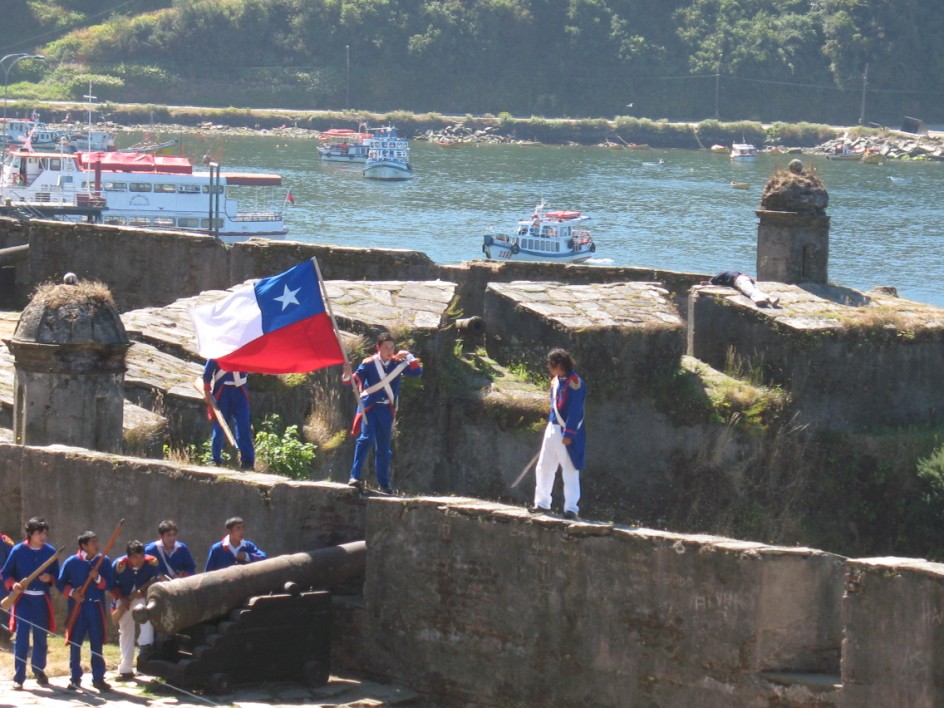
[(288, 297)]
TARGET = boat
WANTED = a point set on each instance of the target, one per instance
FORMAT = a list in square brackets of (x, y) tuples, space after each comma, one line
[(740, 185), (148, 191), (39, 136), (845, 154), (719, 148), (743, 152), (344, 145), (557, 236), (388, 156)]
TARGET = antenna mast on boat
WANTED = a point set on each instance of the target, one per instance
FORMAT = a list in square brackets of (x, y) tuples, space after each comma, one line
[(90, 98)]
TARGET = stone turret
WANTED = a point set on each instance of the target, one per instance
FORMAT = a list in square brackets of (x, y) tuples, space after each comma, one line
[(69, 355), (793, 231)]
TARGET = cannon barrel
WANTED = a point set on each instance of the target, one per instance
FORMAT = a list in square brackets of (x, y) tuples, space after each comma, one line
[(185, 602), (474, 325), (14, 254)]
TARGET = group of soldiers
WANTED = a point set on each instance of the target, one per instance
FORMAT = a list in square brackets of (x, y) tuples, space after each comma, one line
[(96, 587)]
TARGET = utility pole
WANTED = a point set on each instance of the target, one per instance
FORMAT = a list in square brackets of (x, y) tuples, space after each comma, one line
[(865, 86), (717, 89), (347, 91)]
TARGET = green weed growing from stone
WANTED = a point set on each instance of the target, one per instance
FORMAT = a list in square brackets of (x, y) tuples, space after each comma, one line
[(280, 451)]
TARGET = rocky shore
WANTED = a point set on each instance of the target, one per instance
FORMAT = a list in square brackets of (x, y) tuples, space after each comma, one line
[(887, 145)]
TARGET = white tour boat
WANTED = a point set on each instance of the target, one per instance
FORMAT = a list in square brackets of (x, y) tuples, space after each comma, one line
[(39, 136), (388, 156), (344, 145), (557, 236), (743, 152), (148, 191)]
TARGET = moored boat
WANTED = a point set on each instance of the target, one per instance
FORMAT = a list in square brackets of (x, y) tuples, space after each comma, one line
[(344, 145), (743, 152), (148, 191), (388, 156), (557, 236)]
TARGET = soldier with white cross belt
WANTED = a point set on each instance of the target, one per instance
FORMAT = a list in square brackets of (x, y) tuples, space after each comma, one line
[(378, 381)]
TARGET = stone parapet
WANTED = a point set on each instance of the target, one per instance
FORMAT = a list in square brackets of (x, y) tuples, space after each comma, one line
[(621, 332), (792, 247), (840, 353), (563, 613), (893, 615)]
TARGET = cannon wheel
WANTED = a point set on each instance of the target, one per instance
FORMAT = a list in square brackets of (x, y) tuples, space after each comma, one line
[(220, 682), (315, 673)]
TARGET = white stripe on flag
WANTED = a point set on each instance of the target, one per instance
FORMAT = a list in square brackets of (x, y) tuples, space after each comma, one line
[(227, 325)]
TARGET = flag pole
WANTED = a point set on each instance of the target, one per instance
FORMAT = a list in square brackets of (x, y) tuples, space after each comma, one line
[(337, 334)]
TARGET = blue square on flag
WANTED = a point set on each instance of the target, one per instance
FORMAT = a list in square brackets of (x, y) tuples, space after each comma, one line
[(289, 297)]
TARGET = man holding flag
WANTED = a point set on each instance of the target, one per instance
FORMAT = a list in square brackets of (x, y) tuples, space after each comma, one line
[(279, 325)]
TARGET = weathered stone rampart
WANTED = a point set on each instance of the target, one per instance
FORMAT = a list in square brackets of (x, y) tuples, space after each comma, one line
[(478, 602)]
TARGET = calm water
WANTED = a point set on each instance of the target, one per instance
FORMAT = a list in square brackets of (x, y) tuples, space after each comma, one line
[(886, 219)]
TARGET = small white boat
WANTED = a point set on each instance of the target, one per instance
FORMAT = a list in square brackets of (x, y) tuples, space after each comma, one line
[(556, 236), (344, 145), (743, 152), (388, 156)]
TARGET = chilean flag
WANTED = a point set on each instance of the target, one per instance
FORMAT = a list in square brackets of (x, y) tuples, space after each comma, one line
[(278, 326)]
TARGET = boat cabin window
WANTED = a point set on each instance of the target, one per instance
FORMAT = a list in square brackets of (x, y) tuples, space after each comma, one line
[(64, 180), (217, 188), (188, 188), (164, 221), (165, 188), (115, 220), (112, 186), (186, 222), (205, 223), (139, 187), (139, 221)]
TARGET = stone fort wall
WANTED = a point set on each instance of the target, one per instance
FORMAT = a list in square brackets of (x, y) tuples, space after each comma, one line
[(478, 602)]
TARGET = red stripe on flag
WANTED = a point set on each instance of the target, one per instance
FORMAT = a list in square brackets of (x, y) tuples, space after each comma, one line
[(301, 347)]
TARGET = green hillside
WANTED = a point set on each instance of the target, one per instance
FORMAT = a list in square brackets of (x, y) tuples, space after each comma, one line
[(678, 59)]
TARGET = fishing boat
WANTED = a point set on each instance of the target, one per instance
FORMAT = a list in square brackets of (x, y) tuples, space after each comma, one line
[(743, 152), (37, 135), (388, 156), (344, 145), (148, 191), (557, 236)]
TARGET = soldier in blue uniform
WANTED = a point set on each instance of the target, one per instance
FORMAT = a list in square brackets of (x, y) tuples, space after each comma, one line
[(378, 381), (564, 438), (234, 549), (232, 398), (133, 574), (32, 611), (90, 619), (172, 554)]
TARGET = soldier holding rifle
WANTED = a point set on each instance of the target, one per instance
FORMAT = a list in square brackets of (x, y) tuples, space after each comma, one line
[(84, 579), (32, 608)]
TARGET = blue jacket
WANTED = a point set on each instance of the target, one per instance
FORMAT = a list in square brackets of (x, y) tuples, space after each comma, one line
[(223, 556), (127, 579), (76, 569), (571, 394), (177, 564), (367, 375), (23, 560)]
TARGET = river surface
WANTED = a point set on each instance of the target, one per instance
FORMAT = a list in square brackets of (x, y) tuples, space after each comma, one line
[(887, 221)]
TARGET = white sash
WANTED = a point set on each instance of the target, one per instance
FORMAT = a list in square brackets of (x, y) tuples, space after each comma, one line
[(385, 379)]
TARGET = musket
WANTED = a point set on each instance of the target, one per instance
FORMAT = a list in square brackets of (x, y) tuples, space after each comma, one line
[(527, 468), (8, 601), (93, 571), (120, 609), (198, 384)]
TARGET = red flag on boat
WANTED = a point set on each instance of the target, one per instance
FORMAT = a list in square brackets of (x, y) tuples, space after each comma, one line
[(290, 198)]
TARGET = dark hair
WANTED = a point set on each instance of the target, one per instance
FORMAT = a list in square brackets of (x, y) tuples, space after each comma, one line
[(86, 536), (35, 524), (562, 358), (230, 523), (165, 526), (384, 337), (135, 547)]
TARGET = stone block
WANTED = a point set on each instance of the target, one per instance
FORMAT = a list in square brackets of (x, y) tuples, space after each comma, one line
[(893, 633), (623, 333), (838, 352)]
